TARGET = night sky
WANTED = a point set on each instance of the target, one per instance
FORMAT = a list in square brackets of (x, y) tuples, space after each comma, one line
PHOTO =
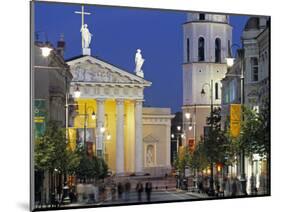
[(118, 32)]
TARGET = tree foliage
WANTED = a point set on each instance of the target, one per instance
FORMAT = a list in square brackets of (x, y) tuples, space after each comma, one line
[(91, 167), (215, 143), (255, 131), (51, 151), (198, 157)]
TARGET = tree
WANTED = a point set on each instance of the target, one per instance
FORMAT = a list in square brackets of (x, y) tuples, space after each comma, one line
[(51, 154), (198, 157), (255, 131), (215, 143), (91, 167)]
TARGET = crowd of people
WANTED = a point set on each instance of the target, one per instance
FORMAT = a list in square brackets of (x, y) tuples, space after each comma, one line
[(227, 186), (110, 191)]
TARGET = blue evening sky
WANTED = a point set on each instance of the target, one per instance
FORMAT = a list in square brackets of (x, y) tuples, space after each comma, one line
[(118, 32)]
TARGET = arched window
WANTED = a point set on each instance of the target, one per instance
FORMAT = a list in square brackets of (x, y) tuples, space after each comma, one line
[(187, 50), (255, 69), (216, 90), (201, 49), (201, 16), (218, 50)]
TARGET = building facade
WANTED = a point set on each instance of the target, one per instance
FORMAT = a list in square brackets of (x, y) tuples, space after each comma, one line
[(255, 41), (51, 79), (231, 87), (252, 63), (131, 139), (206, 41)]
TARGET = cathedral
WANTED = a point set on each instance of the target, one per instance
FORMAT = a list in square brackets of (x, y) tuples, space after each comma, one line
[(110, 120)]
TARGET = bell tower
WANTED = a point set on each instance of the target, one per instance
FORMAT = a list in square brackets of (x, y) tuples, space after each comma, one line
[(206, 41)]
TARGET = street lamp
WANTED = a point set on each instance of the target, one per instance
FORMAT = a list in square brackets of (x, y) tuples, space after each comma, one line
[(212, 191), (190, 127), (77, 92), (46, 50), (46, 47), (187, 116), (102, 129)]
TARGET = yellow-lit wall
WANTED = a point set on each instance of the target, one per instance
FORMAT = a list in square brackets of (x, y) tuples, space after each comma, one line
[(79, 119), (110, 125)]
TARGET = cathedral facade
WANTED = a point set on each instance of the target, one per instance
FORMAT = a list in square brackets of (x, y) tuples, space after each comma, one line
[(111, 122)]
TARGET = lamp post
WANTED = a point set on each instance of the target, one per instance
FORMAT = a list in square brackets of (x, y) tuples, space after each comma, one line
[(178, 134), (86, 121), (191, 123), (191, 126), (230, 63), (211, 191)]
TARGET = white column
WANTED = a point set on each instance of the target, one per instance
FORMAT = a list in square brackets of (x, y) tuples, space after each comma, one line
[(100, 124), (168, 144), (138, 138), (120, 137)]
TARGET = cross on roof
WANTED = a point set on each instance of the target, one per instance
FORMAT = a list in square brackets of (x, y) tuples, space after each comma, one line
[(82, 13)]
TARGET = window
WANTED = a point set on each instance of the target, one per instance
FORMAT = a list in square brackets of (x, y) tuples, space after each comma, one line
[(255, 69), (228, 48), (201, 16), (187, 50), (232, 90), (216, 90), (217, 50), (201, 44)]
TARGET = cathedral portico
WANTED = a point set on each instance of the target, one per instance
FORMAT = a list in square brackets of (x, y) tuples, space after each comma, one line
[(116, 96)]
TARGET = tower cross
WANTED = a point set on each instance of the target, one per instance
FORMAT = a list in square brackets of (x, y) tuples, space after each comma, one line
[(82, 13)]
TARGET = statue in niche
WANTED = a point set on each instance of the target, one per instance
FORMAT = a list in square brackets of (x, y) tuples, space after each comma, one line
[(150, 155)]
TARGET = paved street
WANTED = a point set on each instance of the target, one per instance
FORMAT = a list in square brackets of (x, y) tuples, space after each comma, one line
[(161, 196)]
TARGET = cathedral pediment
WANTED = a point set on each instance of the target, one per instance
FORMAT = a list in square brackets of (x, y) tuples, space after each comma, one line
[(89, 69), (150, 139)]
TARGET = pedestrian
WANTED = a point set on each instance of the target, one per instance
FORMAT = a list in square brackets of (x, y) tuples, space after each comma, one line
[(139, 189), (234, 187), (148, 189), (127, 190), (200, 184), (72, 196), (217, 183), (113, 191), (224, 185), (80, 190), (120, 190)]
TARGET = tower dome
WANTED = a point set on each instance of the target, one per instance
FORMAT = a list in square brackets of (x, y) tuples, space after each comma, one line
[(252, 23), (191, 17)]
